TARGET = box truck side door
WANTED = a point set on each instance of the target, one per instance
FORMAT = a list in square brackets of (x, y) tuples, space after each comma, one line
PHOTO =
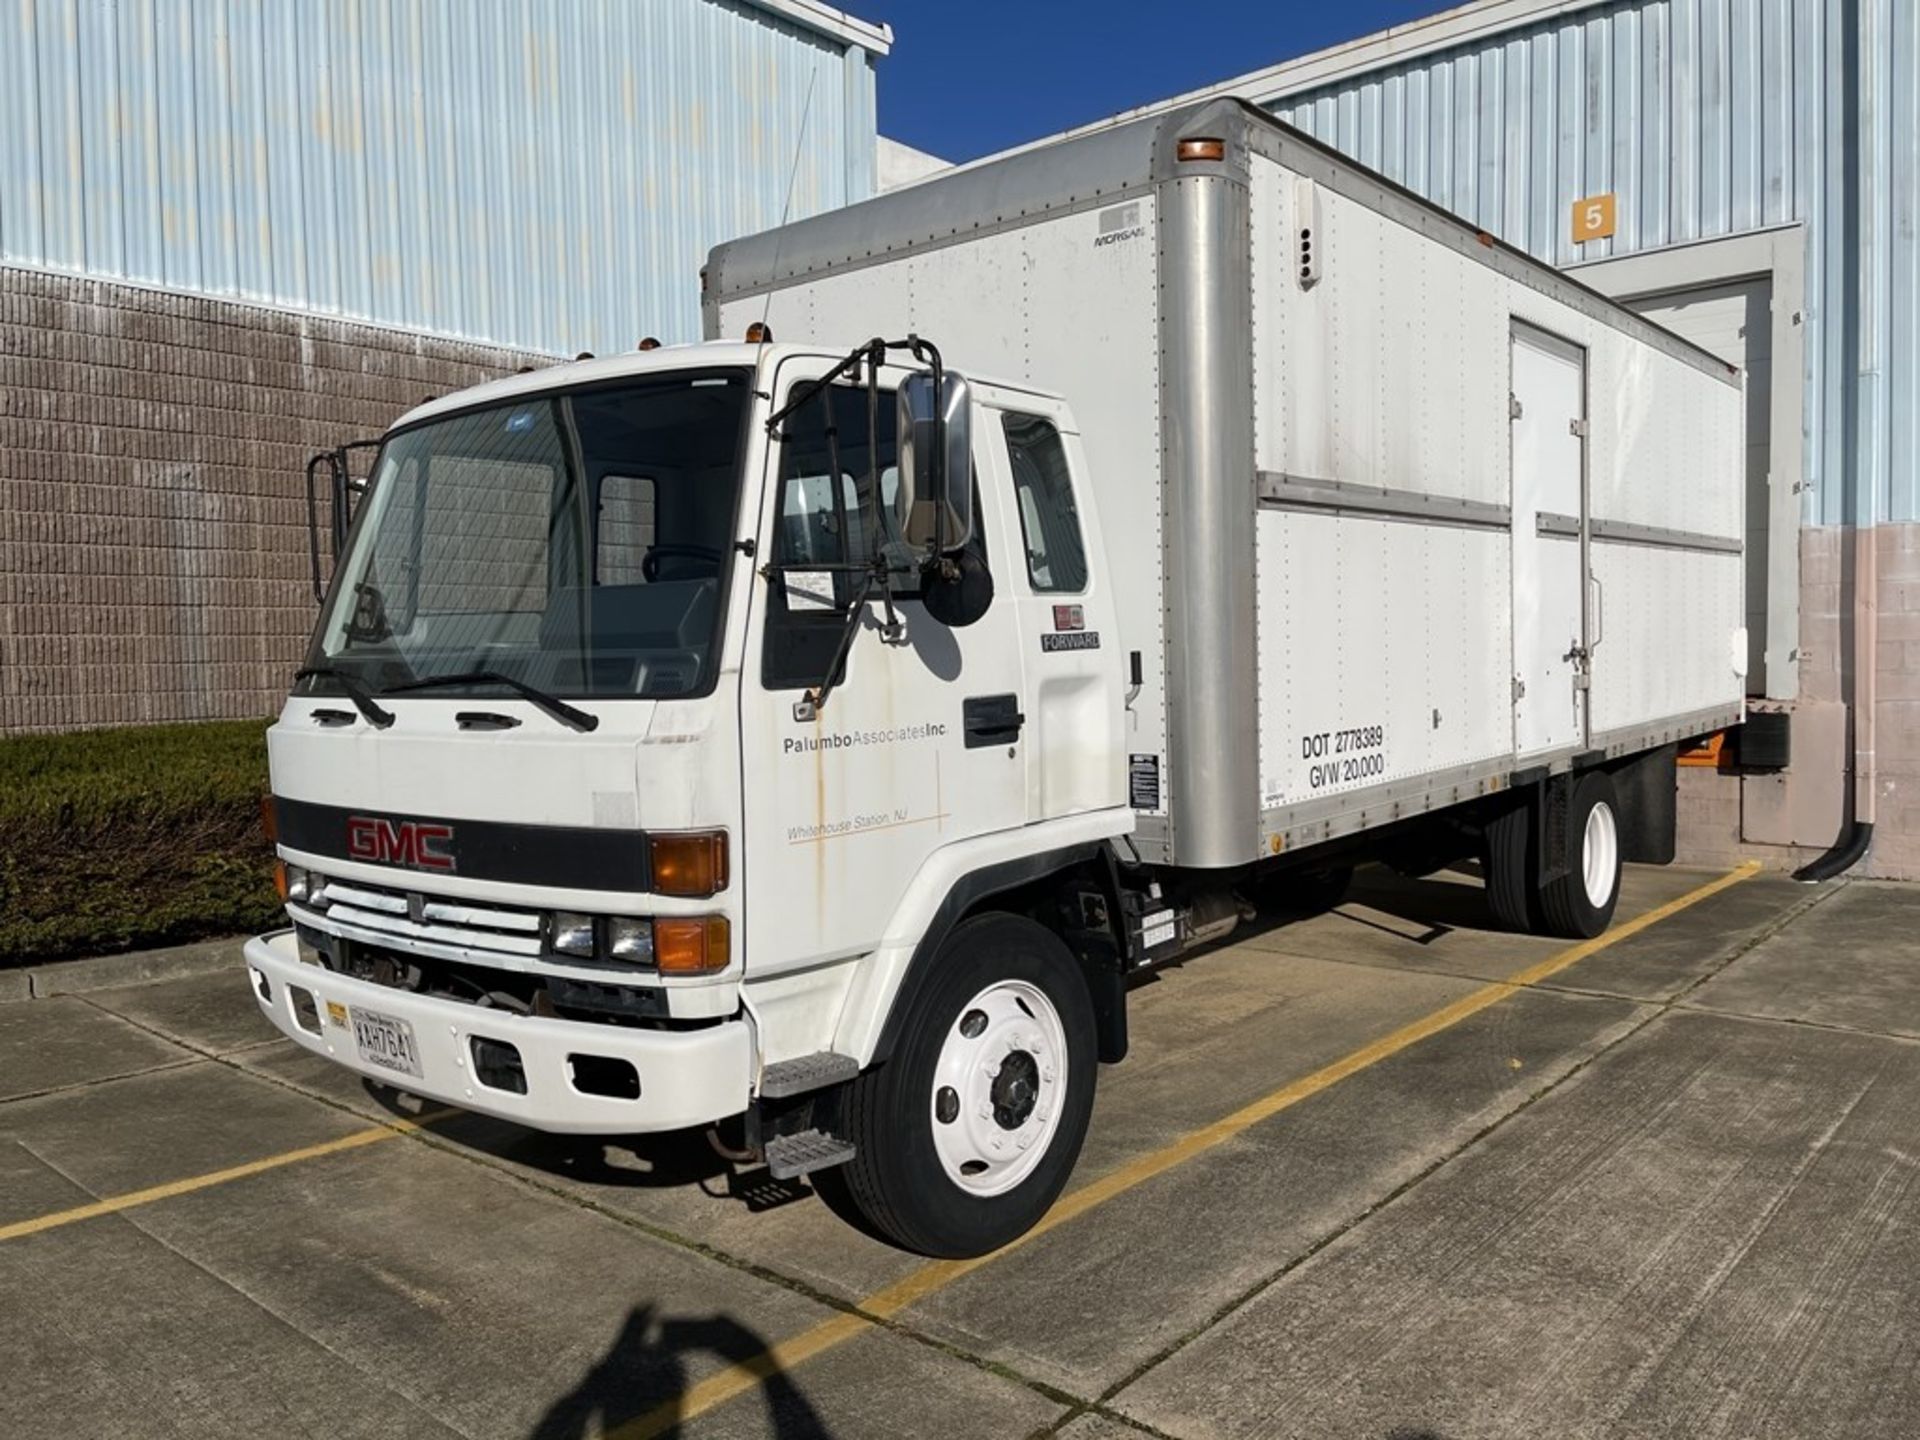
[(918, 745), (1549, 408)]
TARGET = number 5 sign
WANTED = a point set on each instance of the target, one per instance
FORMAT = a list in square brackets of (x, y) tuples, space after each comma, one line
[(1592, 218)]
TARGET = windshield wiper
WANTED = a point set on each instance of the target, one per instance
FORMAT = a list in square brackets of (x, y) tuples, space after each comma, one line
[(362, 697), (559, 709)]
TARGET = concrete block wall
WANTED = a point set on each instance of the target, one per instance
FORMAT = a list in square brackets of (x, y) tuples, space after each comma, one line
[(1787, 820), (153, 538)]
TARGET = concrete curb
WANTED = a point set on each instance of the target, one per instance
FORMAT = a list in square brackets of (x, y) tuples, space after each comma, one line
[(105, 972)]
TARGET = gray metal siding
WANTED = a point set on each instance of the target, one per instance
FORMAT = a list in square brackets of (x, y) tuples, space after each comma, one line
[(546, 174), (1706, 118)]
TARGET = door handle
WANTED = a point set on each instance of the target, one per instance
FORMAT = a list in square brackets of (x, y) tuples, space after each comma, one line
[(1599, 611), (991, 720)]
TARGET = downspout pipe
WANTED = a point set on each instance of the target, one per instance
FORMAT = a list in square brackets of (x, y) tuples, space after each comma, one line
[(1863, 570), (1852, 846)]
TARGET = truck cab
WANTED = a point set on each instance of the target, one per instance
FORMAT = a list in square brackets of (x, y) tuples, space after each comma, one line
[(672, 723)]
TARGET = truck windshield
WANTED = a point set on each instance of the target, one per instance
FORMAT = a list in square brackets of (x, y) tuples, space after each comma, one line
[(576, 541)]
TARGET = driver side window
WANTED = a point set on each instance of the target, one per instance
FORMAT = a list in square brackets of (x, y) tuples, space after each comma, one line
[(825, 518)]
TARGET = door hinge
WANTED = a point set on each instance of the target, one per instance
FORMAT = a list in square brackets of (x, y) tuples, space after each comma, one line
[(1519, 689), (1577, 427), (1514, 408)]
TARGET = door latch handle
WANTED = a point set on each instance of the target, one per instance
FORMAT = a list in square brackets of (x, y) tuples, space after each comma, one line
[(991, 720)]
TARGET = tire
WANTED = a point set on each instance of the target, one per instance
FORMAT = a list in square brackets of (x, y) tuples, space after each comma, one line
[(1506, 863), (1580, 904), (1005, 999), (1301, 892)]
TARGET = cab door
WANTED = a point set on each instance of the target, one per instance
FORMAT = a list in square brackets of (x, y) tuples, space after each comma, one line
[(1070, 652), (921, 740)]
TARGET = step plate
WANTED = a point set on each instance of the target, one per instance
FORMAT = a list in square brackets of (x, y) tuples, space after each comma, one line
[(791, 1156), (809, 1072)]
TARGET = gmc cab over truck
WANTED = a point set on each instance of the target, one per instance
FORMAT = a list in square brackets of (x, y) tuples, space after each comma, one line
[(809, 740)]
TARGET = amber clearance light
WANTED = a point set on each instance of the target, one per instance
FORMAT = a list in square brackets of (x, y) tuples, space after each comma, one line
[(691, 863), (690, 944), (1203, 148)]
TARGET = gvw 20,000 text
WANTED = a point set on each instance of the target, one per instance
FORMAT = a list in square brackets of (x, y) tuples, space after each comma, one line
[(1341, 757)]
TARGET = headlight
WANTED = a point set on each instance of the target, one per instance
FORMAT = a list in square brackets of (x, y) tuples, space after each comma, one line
[(298, 884), (630, 938), (572, 933)]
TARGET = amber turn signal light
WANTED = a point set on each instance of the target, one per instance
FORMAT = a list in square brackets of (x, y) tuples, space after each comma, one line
[(280, 877), (691, 863), (1206, 148), (690, 944)]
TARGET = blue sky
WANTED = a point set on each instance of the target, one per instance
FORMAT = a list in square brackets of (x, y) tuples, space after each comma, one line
[(967, 77)]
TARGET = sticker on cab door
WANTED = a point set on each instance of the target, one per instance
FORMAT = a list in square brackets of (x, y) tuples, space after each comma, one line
[(1143, 781), (1070, 631)]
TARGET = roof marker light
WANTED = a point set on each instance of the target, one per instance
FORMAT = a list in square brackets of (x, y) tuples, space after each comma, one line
[(1204, 148)]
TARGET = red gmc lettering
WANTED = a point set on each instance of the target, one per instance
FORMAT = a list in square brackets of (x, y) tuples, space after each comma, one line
[(413, 843)]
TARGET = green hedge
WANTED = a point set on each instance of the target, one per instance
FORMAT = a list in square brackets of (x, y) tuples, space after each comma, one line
[(122, 839)]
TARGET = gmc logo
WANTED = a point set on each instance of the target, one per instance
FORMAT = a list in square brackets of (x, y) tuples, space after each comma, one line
[(416, 844)]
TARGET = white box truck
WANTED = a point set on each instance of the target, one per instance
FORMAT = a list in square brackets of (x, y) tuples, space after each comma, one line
[(802, 740)]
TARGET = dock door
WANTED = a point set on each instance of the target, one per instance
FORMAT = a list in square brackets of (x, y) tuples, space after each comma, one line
[(1550, 640)]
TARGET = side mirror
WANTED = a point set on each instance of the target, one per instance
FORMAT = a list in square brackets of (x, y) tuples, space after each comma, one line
[(343, 489), (933, 503)]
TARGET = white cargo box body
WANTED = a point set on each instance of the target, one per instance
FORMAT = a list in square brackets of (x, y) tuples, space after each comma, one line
[(1393, 511)]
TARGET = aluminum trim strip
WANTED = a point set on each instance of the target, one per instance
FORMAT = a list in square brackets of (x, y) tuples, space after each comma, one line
[(1305, 492), (829, 263), (1209, 560), (1629, 739), (1620, 532), (1335, 815)]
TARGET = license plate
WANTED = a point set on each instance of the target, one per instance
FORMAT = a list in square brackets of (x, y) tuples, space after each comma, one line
[(388, 1042)]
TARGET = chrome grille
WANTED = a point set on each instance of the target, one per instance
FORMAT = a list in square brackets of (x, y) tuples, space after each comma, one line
[(439, 922)]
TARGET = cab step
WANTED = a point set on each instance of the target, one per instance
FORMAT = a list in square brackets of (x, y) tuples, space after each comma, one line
[(809, 1072), (791, 1156)]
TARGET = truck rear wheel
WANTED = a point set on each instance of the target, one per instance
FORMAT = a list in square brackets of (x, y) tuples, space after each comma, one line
[(1579, 903), (967, 1134)]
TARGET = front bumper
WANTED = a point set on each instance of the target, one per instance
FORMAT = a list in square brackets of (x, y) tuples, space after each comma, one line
[(687, 1077)]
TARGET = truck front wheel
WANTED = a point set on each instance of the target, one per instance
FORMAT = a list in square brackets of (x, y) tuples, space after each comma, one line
[(969, 1131)]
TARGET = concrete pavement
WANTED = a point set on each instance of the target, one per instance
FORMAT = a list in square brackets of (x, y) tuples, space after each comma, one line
[(1348, 1184)]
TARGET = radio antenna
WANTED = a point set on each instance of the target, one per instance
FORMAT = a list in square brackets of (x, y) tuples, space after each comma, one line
[(786, 208)]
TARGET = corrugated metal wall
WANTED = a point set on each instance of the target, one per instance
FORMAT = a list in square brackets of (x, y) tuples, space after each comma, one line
[(1705, 118), (547, 174)]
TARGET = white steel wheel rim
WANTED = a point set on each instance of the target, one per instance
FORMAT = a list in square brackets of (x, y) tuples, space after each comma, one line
[(1600, 854), (997, 1087)]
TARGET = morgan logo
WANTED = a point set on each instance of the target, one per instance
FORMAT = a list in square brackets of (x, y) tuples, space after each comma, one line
[(416, 844)]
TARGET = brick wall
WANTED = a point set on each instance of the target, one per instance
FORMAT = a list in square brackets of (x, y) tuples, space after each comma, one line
[(1788, 819), (153, 540)]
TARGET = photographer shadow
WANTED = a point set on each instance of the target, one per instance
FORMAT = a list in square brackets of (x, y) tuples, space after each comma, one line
[(642, 1381)]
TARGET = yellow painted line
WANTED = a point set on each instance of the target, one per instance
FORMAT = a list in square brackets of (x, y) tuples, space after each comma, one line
[(114, 1204), (936, 1275)]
